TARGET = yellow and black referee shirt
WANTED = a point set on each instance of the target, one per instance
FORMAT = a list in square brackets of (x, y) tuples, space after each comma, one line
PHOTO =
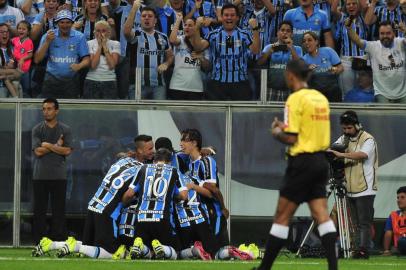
[(307, 114)]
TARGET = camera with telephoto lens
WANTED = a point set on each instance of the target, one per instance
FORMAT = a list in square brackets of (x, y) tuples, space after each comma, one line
[(337, 164)]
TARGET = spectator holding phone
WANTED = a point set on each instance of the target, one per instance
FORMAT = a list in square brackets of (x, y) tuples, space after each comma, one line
[(352, 58), (326, 66), (275, 57)]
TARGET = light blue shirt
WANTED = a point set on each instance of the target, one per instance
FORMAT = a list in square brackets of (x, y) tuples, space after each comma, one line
[(324, 61), (318, 22), (62, 53)]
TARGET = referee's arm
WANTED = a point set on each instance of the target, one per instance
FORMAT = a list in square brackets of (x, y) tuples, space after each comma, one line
[(280, 135)]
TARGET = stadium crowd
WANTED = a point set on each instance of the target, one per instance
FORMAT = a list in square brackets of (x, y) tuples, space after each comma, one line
[(199, 49)]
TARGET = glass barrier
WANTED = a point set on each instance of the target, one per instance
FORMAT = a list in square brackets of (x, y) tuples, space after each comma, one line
[(7, 145), (100, 133)]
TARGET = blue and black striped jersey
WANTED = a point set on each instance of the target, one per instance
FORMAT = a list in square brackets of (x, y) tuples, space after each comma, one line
[(191, 211), (349, 48), (229, 54), (204, 170), (148, 51), (156, 185), (114, 184)]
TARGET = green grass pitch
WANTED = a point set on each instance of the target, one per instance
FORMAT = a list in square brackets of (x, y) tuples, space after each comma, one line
[(16, 259)]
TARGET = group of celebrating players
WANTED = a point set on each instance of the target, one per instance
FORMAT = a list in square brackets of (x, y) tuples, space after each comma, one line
[(171, 208)]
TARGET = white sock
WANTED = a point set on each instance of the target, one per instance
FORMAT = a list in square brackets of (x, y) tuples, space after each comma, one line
[(146, 253), (170, 253), (223, 254), (326, 227), (186, 254), (279, 231), (56, 245), (77, 246), (95, 252)]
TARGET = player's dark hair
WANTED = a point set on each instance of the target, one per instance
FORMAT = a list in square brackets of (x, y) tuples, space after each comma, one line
[(164, 142), (163, 154), (401, 190), (300, 69), (192, 134), (141, 139), (229, 6), (52, 100)]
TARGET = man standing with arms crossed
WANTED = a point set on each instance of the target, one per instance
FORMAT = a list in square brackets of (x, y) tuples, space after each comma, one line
[(306, 130), (51, 144)]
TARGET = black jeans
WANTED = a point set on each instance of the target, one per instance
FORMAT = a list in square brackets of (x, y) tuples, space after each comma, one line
[(43, 190), (362, 214)]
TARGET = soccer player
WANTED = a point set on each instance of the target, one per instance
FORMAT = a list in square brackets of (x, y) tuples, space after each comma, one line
[(156, 186), (205, 170), (99, 237), (192, 220), (306, 130)]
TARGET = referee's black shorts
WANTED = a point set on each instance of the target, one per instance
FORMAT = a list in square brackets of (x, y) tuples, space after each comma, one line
[(100, 232), (305, 178)]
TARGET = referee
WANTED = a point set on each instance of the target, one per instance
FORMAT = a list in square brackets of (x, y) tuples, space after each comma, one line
[(306, 130)]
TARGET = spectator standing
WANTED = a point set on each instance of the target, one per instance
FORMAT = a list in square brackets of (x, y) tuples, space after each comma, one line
[(326, 66), (31, 8), (350, 53), (276, 56), (91, 13), (306, 18), (151, 50), (388, 59), (389, 11), (186, 81), (10, 15), (104, 55), (230, 47), (51, 144), (23, 53), (67, 53), (42, 23), (8, 73), (124, 78)]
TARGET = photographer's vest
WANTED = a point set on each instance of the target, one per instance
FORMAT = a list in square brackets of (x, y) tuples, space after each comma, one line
[(398, 226), (354, 170)]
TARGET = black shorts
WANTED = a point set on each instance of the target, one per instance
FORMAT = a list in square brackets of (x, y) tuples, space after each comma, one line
[(100, 232), (162, 231), (199, 232), (305, 178)]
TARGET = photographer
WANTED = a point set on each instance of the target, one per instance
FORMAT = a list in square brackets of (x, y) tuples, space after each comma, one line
[(360, 165)]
